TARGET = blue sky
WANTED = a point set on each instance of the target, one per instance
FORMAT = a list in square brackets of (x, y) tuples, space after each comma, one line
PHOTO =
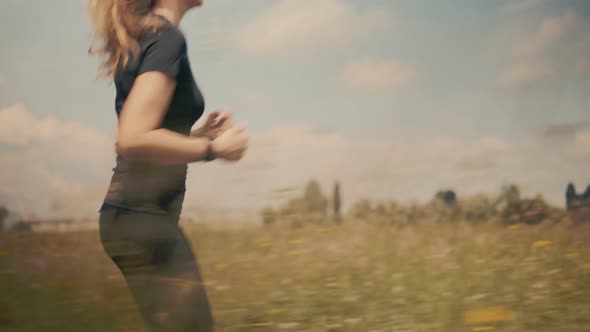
[(407, 97)]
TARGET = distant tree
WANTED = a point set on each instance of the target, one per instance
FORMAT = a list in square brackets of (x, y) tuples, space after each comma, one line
[(570, 194), (269, 216), (447, 196), (535, 210), (22, 226), (294, 206), (478, 208), (3, 215), (336, 201), (511, 206), (515, 209), (380, 209), (510, 195), (361, 209), (314, 200), (577, 205)]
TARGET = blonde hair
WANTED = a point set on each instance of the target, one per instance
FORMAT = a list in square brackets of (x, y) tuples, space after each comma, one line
[(118, 24)]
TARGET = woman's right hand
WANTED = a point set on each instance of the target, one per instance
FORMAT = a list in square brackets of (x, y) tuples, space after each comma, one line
[(231, 144)]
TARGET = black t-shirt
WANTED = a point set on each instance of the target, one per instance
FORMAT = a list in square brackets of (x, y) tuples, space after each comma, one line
[(138, 184)]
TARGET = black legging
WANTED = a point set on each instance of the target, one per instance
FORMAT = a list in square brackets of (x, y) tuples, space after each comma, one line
[(160, 267)]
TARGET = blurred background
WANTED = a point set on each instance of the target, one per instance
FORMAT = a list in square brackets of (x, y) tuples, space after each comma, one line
[(408, 167)]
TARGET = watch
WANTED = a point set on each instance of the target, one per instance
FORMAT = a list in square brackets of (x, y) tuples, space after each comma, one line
[(210, 156)]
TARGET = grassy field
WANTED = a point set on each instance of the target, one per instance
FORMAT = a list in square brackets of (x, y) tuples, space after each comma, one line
[(350, 277)]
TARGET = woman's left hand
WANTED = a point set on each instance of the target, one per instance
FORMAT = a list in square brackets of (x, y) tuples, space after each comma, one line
[(217, 122)]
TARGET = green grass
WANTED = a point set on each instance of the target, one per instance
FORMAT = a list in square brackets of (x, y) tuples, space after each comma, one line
[(352, 277)]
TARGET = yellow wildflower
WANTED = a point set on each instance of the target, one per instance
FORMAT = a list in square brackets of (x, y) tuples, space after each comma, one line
[(277, 310), (323, 230), (297, 241), (264, 244), (542, 244), (486, 315)]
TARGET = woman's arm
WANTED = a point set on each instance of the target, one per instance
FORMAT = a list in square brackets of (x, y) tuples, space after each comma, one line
[(139, 133), (198, 132)]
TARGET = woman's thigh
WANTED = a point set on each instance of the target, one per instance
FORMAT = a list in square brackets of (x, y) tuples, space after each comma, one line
[(159, 265)]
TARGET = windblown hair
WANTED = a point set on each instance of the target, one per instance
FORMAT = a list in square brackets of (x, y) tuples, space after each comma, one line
[(118, 25)]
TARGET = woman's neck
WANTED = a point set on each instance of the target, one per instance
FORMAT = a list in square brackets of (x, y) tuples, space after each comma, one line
[(172, 10)]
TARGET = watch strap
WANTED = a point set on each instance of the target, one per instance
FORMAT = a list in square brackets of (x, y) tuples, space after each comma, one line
[(210, 156)]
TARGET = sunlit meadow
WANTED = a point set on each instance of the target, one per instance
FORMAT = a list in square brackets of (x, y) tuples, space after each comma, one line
[(355, 276)]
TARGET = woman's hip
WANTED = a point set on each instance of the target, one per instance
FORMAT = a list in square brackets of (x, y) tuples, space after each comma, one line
[(138, 238)]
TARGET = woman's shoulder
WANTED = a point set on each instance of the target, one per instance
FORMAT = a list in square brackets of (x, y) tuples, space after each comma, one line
[(167, 35), (161, 46)]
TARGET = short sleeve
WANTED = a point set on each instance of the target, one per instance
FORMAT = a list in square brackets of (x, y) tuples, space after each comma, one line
[(164, 53)]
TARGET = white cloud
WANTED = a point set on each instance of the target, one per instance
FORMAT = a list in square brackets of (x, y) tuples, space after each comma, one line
[(556, 48), (548, 32), (15, 120), (582, 143), (523, 73), (293, 26), (374, 73), (64, 177), (21, 128), (45, 158)]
